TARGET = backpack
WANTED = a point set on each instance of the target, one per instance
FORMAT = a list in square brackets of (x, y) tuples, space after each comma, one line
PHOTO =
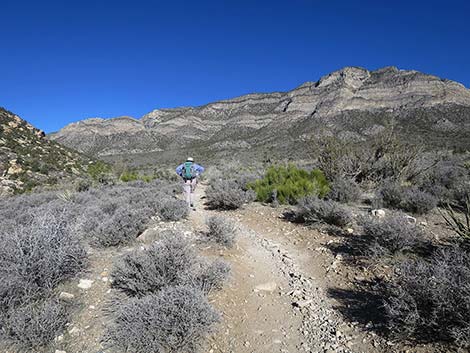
[(188, 170)]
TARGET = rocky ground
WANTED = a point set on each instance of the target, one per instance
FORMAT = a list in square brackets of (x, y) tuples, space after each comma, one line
[(277, 299)]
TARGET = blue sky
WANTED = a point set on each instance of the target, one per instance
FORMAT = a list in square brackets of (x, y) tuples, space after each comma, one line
[(62, 61)]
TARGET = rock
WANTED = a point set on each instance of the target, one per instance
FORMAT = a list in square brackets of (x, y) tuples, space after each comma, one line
[(85, 284), (303, 303), (410, 219), (423, 223), (349, 230), (105, 279), (66, 296), (74, 331), (379, 213), (57, 351), (266, 287), (337, 97)]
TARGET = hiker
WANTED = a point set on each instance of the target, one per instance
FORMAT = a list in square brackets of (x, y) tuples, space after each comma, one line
[(189, 171)]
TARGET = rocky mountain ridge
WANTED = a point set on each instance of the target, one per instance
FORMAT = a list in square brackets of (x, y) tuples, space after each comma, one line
[(28, 159), (350, 103)]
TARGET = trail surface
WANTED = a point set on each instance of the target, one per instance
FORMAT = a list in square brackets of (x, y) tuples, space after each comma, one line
[(276, 299)]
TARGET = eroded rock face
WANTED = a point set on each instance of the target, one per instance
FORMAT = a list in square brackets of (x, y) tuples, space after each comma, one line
[(351, 103)]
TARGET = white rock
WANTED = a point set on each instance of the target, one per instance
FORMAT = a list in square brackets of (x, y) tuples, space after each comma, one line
[(410, 219), (66, 296), (378, 213), (85, 283), (266, 287), (57, 351), (105, 279), (350, 230)]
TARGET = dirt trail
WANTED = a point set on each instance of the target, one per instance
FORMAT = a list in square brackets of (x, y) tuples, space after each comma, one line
[(257, 316), (276, 300)]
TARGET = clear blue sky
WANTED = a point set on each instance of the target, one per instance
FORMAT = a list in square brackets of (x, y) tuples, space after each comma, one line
[(62, 61)]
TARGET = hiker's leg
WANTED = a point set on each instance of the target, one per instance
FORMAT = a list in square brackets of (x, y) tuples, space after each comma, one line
[(187, 191), (193, 189)]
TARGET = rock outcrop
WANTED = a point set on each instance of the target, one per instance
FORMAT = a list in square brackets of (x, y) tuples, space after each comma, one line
[(351, 103), (28, 159)]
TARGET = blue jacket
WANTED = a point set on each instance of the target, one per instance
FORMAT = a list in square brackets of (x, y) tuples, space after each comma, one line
[(197, 168)]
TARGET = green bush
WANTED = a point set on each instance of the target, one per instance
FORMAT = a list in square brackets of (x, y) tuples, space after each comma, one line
[(289, 184), (99, 172)]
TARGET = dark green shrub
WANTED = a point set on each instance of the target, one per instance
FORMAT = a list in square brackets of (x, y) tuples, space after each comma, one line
[(289, 184)]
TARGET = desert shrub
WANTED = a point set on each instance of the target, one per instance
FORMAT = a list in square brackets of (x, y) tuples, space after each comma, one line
[(122, 227), (430, 299), (227, 195), (34, 324), (176, 319), (169, 261), (459, 224), (382, 157), (173, 209), (410, 199), (289, 184), (100, 172), (35, 258), (211, 275), (344, 190), (312, 210), (447, 180), (221, 230), (391, 235), (418, 201)]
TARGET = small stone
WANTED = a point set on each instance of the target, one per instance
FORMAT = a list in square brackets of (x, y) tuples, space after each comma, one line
[(66, 296), (410, 219), (85, 283), (59, 338), (379, 213), (92, 307), (57, 351), (423, 224), (303, 303), (74, 331), (266, 287), (105, 279), (350, 230)]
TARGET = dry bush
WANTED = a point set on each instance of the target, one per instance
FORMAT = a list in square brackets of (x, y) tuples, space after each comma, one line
[(344, 190), (123, 227), (410, 199), (174, 209), (227, 195), (37, 257), (176, 319), (312, 210), (35, 324), (448, 181), (430, 299), (168, 262), (221, 231), (211, 275), (391, 235)]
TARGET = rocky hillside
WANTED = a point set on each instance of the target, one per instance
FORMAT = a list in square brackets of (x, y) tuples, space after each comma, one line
[(28, 159), (352, 103)]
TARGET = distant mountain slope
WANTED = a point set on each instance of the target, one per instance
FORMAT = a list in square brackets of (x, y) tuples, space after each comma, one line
[(27, 158), (351, 103)]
